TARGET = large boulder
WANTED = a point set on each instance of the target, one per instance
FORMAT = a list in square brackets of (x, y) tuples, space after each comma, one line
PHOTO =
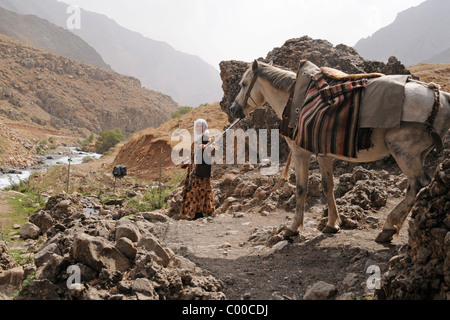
[(98, 253), (30, 231)]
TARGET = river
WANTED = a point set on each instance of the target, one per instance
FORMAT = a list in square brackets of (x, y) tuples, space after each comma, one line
[(49, 160)]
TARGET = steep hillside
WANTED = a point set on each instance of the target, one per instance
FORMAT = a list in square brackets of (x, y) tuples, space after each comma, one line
[(47, 36), (417, 35), (186, 78), (438, 73), (142, 153), (54, 92)]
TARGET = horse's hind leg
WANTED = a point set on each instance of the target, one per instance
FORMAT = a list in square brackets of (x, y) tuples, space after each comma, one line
[(409, 148), (326, 168)]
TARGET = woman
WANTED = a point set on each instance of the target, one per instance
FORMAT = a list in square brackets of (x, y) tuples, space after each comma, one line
[(198, 197)]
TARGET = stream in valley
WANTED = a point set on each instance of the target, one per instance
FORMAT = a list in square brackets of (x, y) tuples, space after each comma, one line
[(15, 175)]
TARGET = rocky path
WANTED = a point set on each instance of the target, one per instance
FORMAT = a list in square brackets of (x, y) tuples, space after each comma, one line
[(242, 251)]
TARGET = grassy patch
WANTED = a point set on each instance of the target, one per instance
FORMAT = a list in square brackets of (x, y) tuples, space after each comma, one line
[(152, 200), (155, 198), (25, 205), (22, 257)]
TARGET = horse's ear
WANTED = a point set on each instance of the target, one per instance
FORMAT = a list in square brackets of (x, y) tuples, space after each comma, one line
[(255, 65)]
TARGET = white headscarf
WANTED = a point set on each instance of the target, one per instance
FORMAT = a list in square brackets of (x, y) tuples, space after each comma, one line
[(205, 132)]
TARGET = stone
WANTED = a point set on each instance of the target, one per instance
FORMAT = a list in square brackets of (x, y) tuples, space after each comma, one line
[(350, 280), (44, 254), (43, 220), (127, 229), (12, 277), (146, 288), (320, 291), (40, 290), (151, 243), (98, 253), (227, 203), (126, 247), (30, 231), (64, 204), (52, 268), (248, 190), (6, 259), (155, 216)]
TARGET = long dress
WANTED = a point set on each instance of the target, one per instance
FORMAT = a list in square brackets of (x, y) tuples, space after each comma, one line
[(198, 197)]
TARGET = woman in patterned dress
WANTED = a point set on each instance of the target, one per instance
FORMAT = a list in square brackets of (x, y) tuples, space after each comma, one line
[(198, 197)]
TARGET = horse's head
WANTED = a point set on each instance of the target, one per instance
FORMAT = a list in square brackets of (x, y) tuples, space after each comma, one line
[(250, 96)]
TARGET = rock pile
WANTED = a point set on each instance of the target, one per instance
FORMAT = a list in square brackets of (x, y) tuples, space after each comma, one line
[(360, 194), (323, 53), (422, 270), (93, 257)]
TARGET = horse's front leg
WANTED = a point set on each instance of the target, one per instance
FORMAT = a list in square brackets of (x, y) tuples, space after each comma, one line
[(326, 168), (302, 159)]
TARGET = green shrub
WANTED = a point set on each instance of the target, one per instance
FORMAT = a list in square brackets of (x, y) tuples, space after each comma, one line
[(88, 140), (181, 111), (108, 139), (154, 199)]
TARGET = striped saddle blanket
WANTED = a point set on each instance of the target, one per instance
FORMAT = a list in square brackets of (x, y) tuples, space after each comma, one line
[(328, 120)]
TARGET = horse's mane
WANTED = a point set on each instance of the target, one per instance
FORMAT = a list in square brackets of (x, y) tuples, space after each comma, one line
[(279, 78)]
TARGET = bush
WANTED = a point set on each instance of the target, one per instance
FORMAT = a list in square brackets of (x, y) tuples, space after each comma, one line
[(181, 111), (88, 140), (108, 139)]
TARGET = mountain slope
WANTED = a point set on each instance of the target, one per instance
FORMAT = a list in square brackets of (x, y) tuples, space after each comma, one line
[(437, 73), (47, 36), (54, 92), (186, 78), (416, 35)]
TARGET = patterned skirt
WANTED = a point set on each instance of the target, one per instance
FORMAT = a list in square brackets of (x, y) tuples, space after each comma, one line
[(198, 197)]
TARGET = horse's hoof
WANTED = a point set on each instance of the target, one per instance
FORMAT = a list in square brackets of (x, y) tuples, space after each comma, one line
[(385, 236), (330, 229), (288, 233)]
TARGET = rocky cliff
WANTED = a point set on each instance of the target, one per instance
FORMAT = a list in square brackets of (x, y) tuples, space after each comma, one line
[(55, 92)]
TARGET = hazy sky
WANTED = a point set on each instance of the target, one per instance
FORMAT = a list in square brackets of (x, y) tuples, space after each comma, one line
[(217, 30)]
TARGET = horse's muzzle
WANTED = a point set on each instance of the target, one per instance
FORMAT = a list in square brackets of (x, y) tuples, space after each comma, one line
[(237, 111)]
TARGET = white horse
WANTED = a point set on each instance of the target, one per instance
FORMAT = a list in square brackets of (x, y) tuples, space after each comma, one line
[(409, 144)]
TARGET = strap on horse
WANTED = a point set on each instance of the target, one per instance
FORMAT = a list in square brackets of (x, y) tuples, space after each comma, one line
[(429, 122)]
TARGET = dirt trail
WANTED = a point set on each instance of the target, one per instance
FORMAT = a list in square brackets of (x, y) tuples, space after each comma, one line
[(252, 270)]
